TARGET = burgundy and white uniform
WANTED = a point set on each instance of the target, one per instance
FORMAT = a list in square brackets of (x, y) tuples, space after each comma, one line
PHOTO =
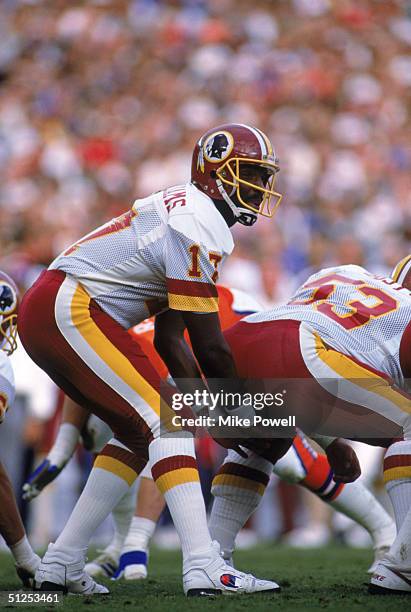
[(163, 253), (347, 329)]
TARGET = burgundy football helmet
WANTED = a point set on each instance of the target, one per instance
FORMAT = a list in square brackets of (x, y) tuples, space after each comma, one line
[(218, 160), (9, 302), (402, 272)]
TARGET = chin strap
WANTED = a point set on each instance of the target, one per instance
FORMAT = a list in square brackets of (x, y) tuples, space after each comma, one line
[(243, 215)]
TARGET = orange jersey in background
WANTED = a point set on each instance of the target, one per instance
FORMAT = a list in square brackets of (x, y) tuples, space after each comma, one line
[(233, 306)]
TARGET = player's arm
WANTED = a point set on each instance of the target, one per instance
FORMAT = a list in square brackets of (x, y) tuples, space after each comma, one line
[(11, 526), (73, 420), (209, 345), (171, 345)]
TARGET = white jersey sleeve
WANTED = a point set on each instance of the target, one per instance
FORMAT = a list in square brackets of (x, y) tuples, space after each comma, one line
[(7, 386), (197, 242)]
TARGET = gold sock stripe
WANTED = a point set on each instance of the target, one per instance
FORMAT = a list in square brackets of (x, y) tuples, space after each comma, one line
[(397, 473), (228, 480), (135, 462), (177, 477), (116, 467), (236, 469)]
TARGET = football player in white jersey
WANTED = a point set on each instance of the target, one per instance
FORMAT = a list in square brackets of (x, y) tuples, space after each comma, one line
[(11, 526), (127, 553), (345, 339), (162, 254)]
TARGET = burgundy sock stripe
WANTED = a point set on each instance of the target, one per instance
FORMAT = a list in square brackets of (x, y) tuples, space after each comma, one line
[(397, 461), (169, 464), (235, 469), (130, 459)]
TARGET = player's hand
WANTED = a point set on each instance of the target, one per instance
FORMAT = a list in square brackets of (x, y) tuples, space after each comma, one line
[(343, 461), (231, 443), (40, 478)]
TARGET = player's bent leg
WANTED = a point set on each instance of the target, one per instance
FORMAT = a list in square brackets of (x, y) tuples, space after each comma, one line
[(205, 573), (114, 471), (237, 488), (303, 465), (107, 561), (297, 465), (393, 574), (135, 551), (97, 363)]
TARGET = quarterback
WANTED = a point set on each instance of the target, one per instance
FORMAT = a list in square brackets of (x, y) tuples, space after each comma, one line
[(164, 253), (11, 526)]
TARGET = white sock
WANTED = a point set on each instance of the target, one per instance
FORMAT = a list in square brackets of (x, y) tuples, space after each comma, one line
[(65, 444), (360, 505), (24, 554), (228, 516), (399, 555), (237, 489), (174, 469), (122, 517), (397, 478), (139, 535), (399, 492), (101, 494)]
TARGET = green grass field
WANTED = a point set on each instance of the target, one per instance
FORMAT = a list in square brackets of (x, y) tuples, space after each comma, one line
[(333, 578)]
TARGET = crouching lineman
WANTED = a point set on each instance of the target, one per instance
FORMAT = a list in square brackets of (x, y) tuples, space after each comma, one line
[(11, 526), (127, 556), (348, 333), (162, 254)]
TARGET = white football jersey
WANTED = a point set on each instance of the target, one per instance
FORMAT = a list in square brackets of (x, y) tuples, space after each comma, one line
[(7, 387), (353, 311), (163, 253)]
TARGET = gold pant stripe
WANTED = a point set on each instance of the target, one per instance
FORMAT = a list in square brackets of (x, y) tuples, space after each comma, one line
[(360, 376), (109, 353)]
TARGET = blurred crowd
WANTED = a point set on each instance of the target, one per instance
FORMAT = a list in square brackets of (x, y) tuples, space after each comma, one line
[(102, 101)]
